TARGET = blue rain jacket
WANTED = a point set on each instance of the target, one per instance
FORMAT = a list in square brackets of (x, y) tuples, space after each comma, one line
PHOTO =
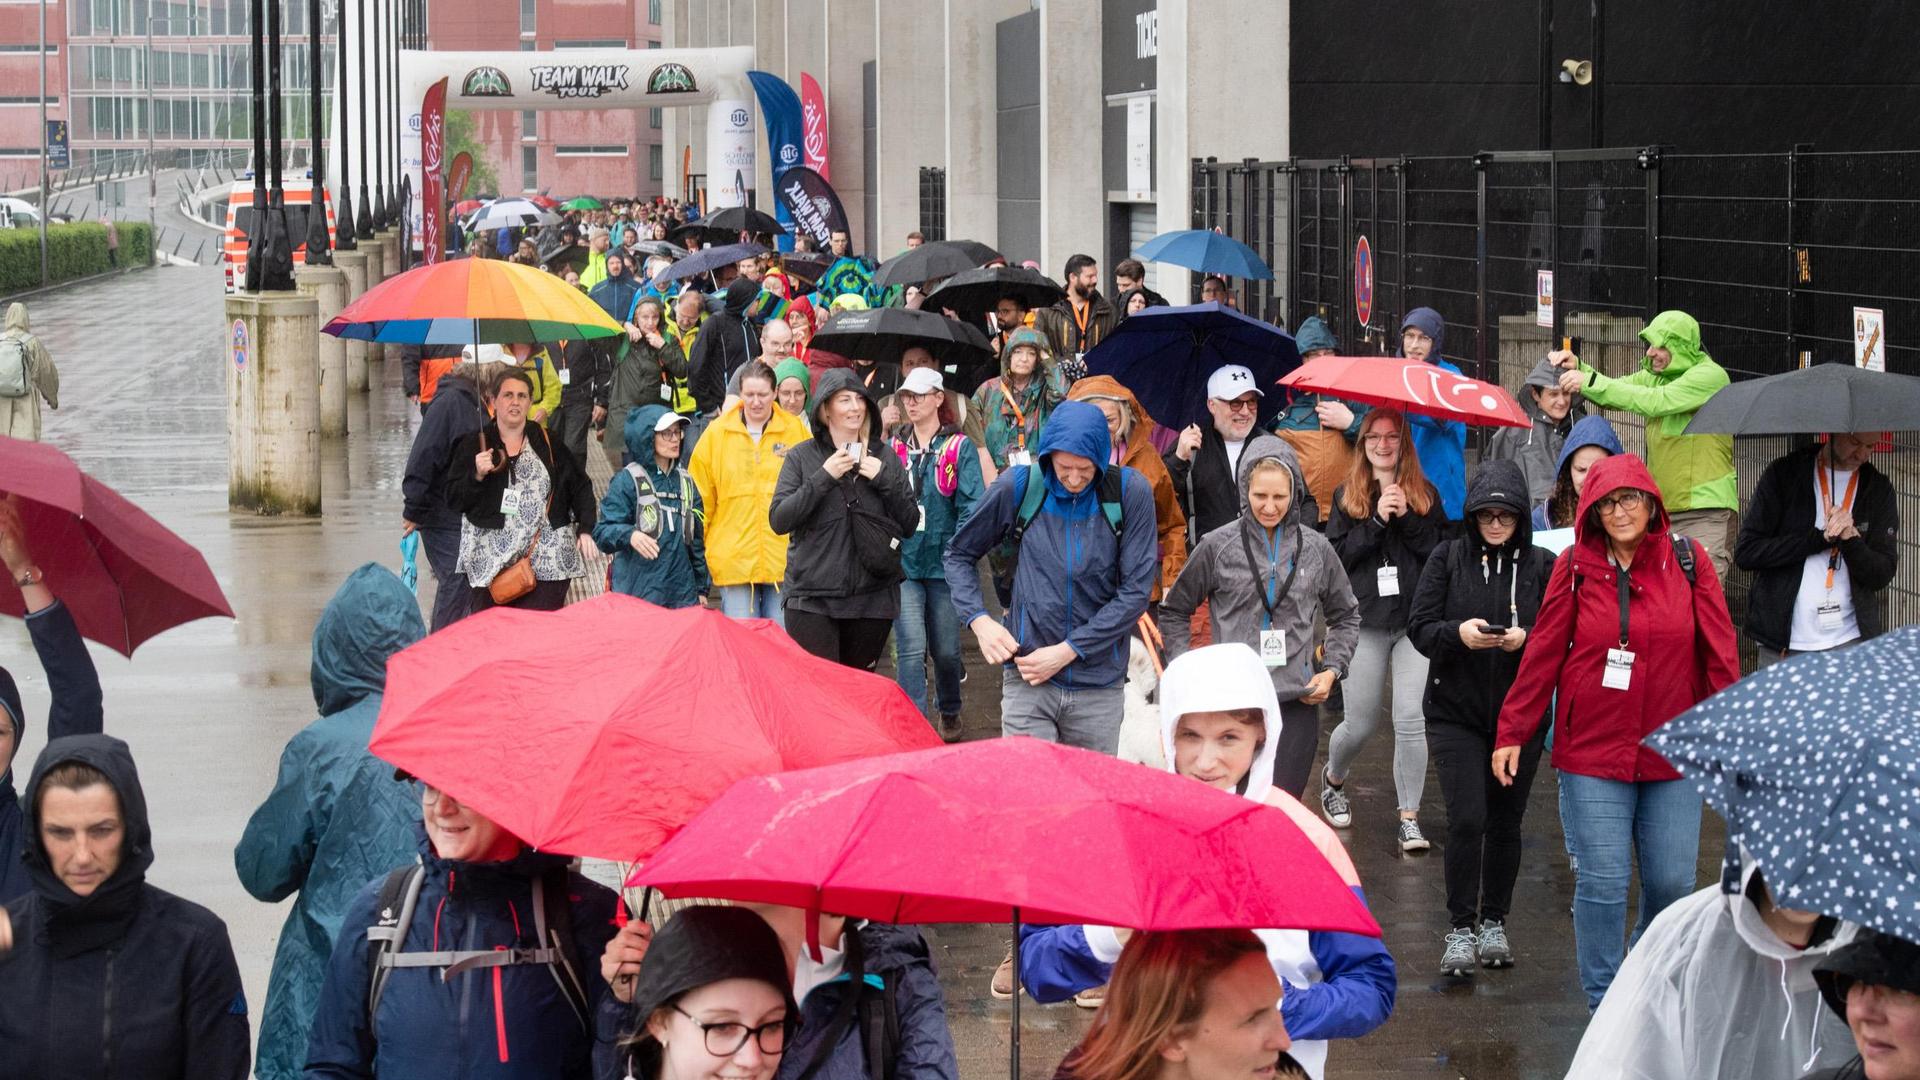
[(677, 577)]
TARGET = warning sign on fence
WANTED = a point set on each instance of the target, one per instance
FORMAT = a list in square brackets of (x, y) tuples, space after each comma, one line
[(1543, 299), (1870, 338), (1363, 281)]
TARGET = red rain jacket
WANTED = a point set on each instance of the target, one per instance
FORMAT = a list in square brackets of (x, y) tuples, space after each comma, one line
[(1681, 636)]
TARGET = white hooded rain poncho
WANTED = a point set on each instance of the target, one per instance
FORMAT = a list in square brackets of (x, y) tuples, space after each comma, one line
[(1710, 992)]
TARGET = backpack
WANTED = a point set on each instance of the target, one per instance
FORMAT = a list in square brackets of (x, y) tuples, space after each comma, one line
[(646, 501), (873, 1002), (1112, 486), (946, 467), (13, 367), (552, 923)]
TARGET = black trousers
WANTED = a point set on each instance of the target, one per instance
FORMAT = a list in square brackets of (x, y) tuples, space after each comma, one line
[(857, 643), (1299, 741), (546, 596), (1481, 855)]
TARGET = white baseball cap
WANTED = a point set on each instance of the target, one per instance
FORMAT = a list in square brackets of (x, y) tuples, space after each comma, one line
[(1231, 381), (668, 420), (922, 381)]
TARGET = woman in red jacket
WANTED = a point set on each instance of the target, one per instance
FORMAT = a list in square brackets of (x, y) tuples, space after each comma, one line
[(1629, 637)]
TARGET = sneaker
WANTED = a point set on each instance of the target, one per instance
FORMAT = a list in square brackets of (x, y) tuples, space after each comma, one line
[(1411, 838), (1494, 950), (950, 728), (1333, 804), (1002, 985), (1458, 961), (1091, 998)]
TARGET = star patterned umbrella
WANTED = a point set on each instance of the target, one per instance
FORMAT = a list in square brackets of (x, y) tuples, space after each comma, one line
[(1815, 764)]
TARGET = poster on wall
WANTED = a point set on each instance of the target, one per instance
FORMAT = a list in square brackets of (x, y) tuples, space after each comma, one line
[(1870, 338)]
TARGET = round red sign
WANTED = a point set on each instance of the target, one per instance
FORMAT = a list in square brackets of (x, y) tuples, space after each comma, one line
[(1363, 280)]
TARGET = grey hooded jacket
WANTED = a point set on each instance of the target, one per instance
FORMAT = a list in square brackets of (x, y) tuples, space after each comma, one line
[(1536, 449), (1218, 571)]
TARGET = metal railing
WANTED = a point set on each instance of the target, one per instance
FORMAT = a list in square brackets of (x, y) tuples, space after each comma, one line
[(1770, 252)]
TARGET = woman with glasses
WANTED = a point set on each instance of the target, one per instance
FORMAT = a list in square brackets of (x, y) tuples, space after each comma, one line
[(1476, 599), (1386, 520), (1633, 632), (710, 1000)]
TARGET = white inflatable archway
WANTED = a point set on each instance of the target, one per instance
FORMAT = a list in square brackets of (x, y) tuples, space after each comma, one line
[(574, 79)]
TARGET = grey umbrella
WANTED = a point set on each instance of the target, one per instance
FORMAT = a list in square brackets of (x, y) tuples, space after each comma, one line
[(1821, 399)]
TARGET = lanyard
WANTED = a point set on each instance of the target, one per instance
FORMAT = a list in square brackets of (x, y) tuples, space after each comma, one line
[(1626, 595), (1269, 596), (1081, 316), (1826, 499), (917, 458), (1007, 394)]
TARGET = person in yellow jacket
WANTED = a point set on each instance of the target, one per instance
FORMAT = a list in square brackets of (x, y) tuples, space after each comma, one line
[(534, 361), (736, 466)]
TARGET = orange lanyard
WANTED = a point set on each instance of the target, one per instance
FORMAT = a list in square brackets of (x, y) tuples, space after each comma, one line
[(1019, 415), (1080, 318), (1826, 499)]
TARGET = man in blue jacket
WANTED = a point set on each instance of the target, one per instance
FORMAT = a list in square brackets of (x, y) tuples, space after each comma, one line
[(1080, 585), (337, 818)]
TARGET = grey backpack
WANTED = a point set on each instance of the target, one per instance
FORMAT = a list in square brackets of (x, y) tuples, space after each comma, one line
[(13, 367)]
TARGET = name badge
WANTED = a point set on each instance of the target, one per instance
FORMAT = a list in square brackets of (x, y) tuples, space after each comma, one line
[(566, 376), (1273, 648), (510, 504), (666, 393), (1619, 672), (1829, 615), (1389, 581), (922, 527), (1019, 457)]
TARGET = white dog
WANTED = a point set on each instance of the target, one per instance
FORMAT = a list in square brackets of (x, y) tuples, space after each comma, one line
[(1140, 723)]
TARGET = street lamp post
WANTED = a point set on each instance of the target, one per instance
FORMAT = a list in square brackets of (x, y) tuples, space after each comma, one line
[(279, 269), (344, 233), (382, 207), (363, 226), (259, 237), (45, 193), (153, 182), (319, 252)]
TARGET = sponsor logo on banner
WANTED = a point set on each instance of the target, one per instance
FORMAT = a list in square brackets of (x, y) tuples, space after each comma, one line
[(816, 208), (813, 121), (580, 80), (672, 79), (433, 194), (789, 154), (458, 174), (486, 82), (413, 123)]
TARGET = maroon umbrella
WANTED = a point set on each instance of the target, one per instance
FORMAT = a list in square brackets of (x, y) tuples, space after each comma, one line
[(124, 576)]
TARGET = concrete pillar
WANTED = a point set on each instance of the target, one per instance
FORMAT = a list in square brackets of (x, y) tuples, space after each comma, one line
[(328, 287), (912, 126), (1073, 204), (376, 273), (972, 111), (273, 404), (354, 265), (850, 44)]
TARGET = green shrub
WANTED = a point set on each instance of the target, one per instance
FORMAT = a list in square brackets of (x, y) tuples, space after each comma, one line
[(73, 251)]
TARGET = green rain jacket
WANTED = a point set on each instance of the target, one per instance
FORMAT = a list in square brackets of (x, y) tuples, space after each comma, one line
[(1695, 472), (337, 818)]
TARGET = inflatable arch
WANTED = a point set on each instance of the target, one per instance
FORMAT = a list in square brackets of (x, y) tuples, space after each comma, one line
[(571, 79)]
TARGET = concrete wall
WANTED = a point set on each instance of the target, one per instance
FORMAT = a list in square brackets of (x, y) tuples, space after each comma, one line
[(912, 96), (972, 130), (850, 44), (1017, 129), (1072, 202)]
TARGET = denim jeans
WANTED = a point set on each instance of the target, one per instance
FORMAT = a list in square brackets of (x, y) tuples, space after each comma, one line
[(757, 601), (928, 628), (452, 596), (1088, 719), (1610, 824)]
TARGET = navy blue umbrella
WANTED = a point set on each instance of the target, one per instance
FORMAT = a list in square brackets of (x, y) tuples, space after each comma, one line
[(1165, 354), (1206, 251), (707, 260), (1815, 764)]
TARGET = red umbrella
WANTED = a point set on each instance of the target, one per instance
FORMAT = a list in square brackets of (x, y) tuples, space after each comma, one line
[(575, 750), (1413, 386), (462, 209), (124, 576), (547, 201), (1002, 829)]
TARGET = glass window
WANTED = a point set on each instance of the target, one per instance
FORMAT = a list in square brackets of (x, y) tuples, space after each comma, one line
[(528, 15), (530, 168), (653, 12), (529, 124), (653, 119), (655, 161)]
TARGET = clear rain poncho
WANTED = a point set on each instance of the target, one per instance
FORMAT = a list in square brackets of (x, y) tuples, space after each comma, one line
[(1710, 992)]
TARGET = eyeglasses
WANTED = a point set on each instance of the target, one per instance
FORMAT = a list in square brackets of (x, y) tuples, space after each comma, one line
[(1626, 500), (908, 397), (1388, 438), (725, 1039), (1495, 517), (1237, 405)]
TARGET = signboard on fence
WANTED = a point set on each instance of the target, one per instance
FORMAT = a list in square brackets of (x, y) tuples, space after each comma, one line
[(59, 150), (1363, 281), (1870, 338), (1543, 299)]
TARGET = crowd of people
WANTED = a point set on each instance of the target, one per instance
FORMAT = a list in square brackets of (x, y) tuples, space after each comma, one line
[(1557, 600)]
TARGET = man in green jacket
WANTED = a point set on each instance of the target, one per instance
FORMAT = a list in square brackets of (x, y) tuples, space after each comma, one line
[(1695, 472)]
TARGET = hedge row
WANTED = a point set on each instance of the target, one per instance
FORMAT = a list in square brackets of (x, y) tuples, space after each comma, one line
[(73, 251)]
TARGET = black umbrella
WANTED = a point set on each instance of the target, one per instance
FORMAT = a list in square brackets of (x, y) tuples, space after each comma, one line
[(645, 248), (707, 260), (973, 293), (942, 258), (883, 333), (566, 255), (807, 266), (735, 218), (1824, 398)]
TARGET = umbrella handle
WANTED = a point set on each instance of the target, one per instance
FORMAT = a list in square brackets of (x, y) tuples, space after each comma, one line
[(1014, 1040)]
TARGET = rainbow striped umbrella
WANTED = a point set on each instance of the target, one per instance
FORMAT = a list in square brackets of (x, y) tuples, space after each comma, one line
[(472, 302)]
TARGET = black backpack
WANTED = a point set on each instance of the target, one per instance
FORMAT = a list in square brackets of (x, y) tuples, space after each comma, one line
[(552, 923), (875, 1009)]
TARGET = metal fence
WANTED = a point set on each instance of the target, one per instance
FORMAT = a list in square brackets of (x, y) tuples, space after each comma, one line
[(1770, 252)]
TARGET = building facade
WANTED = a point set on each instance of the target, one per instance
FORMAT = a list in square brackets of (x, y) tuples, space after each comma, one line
[(1043, 128)]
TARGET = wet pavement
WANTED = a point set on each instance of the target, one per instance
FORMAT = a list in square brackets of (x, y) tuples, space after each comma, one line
[(207, 707)]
